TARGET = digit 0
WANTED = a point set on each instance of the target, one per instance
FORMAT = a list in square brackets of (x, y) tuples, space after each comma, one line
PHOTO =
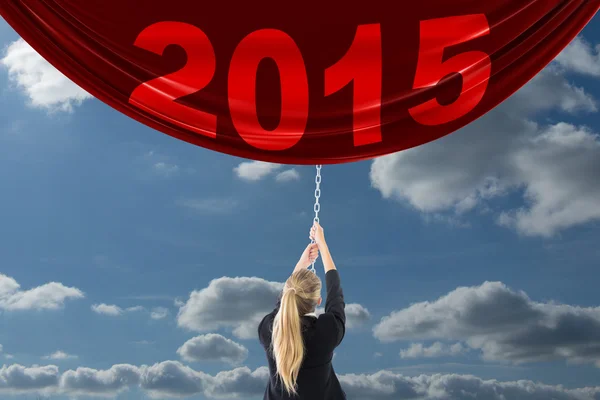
[(474, 66), (158, 95), (280, 47)]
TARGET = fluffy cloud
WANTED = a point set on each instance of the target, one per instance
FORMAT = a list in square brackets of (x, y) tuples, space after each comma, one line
[(178, 302), (50, 296), (113, 310), (581, 57), (287, 175), (255, 170), (356, 315), (159, 313), (59, 355), (437, 349), (502, 323), (45, 86), (238, 383), (171, 379), (107, 309), (19, 379), (163, 380), (504, 152), (213, 347), (88, 381), (388, 385), (560, 167), (240, 303), (237, 303)]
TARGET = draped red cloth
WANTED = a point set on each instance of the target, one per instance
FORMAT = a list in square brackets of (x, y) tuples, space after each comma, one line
[(315, 82)]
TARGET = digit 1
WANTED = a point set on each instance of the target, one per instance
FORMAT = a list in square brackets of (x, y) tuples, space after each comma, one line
[(474, 66), (361, 65), (280, 47)]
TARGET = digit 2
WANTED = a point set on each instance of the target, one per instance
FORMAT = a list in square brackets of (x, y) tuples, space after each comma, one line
[(158, 95)]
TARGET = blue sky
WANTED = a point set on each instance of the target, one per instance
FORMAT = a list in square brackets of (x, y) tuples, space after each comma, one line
[(117, 214)]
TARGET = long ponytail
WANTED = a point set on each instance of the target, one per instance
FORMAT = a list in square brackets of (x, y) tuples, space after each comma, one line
[(300, 296), (288, 346)]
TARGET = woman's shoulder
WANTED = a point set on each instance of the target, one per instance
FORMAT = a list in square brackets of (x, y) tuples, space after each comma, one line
[(325, 318), (265, 327)]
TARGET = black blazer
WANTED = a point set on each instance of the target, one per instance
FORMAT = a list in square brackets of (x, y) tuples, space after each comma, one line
[(317, 379)]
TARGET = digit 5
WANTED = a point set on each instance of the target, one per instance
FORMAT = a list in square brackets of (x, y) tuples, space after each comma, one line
[(474, 66), (158, 95)]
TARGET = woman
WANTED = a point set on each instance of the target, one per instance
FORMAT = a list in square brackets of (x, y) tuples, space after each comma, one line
[(299, 345)]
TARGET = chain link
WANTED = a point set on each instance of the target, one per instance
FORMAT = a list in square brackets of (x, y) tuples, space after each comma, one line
[(317, 206)]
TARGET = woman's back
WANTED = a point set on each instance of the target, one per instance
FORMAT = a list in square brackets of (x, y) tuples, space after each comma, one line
[(321, 335)]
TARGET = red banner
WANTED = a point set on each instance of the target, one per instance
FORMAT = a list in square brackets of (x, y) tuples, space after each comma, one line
[(315, 82)]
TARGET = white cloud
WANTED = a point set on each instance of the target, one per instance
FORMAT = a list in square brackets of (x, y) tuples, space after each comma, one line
[(45, 86), (238, 303), (50, 296), (579, 56), (503, 324), (387, 385), (356, 315), (437, 349), (562, 190), (89, 381), (171, 379), (107, 309), (178, 302), (247, 329), (1, 348), (113, 310), (166, 379), (238, 383), (287, 175), (59, 355), (159, 313), (19, 379), (213, 347), (253, 171), (9, 356), (506, 152)]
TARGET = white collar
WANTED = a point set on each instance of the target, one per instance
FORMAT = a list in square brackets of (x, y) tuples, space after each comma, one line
[(311, 314)]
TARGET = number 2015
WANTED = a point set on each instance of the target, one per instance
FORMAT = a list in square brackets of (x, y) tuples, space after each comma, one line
[(158, 95)]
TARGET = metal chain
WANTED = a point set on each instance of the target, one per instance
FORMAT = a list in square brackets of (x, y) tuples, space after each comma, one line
[(317, 206)]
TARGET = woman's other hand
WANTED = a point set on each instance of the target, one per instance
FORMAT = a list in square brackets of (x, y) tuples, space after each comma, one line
[(317, 234), (310, 254)]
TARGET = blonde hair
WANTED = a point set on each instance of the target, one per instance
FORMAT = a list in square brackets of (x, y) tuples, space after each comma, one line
[(300, 296)]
